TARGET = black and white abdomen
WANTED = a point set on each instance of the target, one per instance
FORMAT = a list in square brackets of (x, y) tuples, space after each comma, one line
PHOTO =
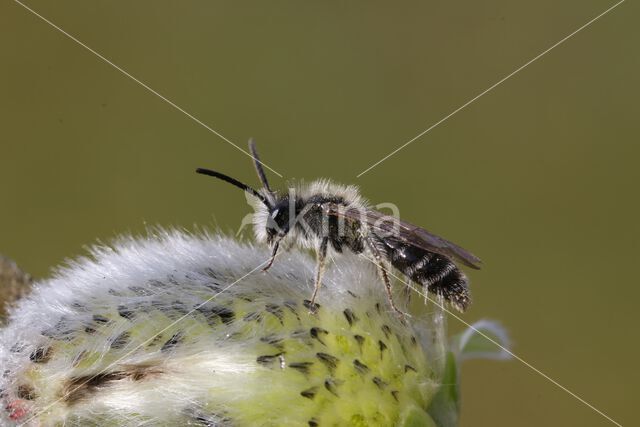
[(436, 273)]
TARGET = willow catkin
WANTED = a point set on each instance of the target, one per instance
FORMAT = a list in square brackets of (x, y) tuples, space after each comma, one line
[(167, 330)]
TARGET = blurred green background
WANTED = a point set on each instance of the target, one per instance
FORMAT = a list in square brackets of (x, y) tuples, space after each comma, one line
[(539, 177)]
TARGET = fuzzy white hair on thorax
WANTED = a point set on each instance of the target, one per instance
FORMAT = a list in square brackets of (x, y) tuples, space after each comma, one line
[(178, 329), (350, 193), (303, 191)]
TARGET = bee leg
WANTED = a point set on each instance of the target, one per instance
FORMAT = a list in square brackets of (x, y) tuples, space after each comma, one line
[(321, 258), (385, 278), (406, 292), (273, 256), (387, 285)]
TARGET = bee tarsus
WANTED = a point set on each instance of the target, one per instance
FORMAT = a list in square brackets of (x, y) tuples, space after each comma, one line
[(321, 256)]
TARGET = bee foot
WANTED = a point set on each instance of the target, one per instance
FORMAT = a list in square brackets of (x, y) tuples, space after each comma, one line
[(313, 307)]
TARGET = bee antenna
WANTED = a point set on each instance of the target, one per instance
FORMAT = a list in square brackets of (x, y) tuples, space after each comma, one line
[(235, 182), (258, 164)]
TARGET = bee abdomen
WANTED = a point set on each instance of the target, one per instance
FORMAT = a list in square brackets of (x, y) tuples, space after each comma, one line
[(436, 273)]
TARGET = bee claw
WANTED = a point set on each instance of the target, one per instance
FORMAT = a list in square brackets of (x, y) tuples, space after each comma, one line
[(312, 306)]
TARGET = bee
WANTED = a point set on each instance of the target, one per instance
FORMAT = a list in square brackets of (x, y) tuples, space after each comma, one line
[(325, 216)]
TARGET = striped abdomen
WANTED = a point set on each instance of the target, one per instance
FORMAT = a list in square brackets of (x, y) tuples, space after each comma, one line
[(436, 273)]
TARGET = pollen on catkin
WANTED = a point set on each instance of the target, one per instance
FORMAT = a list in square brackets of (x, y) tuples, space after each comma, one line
[(176, 329)]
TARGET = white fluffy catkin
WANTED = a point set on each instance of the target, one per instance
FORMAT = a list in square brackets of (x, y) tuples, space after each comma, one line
[(132, 336)]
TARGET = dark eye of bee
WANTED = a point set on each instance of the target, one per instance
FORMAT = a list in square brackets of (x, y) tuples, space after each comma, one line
[(278, 222), (272, 225)]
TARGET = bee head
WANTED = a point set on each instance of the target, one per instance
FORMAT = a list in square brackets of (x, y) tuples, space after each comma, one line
[(278, 214)]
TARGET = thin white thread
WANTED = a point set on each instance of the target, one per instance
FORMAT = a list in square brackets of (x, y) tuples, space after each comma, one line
[(144, 85), (490, 88)]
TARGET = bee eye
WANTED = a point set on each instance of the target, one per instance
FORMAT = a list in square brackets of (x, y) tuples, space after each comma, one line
[(272, 225), (271, 220), (277, 222)]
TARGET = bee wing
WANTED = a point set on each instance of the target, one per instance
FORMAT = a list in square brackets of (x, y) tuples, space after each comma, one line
[(408, 233)]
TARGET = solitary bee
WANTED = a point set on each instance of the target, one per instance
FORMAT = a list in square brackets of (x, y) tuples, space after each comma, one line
[(323, 215)]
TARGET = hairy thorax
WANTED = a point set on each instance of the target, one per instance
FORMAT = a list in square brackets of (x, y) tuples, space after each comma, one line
[(315, 225)]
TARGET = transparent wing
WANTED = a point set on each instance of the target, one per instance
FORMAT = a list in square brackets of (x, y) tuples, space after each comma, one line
[(390, 226)]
